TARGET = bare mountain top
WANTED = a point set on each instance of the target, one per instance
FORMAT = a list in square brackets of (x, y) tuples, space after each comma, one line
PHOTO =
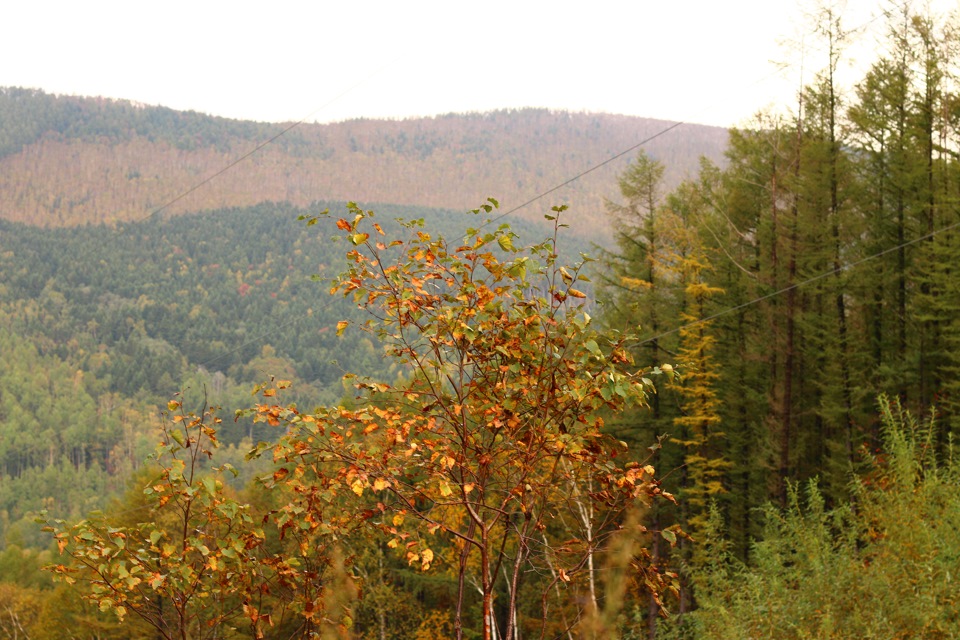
[(69, 161)]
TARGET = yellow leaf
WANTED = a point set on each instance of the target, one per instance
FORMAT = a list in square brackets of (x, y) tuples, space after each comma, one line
[(380, 484), (574, 293), (341, 326), (426, 557), (445, 489), (357, 487), (393, 544), (467, 488), (398, 520)]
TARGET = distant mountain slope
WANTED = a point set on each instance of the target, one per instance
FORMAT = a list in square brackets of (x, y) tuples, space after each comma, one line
[(67, 161)]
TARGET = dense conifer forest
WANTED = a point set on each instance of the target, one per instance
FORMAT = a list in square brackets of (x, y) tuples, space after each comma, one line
[(257, 419)]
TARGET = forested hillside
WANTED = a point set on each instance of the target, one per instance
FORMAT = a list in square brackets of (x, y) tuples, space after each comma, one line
[(740, 421), (66, 161), (94, 340), (811, 275)]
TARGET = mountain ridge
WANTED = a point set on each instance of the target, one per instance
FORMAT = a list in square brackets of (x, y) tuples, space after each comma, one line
[(66, 160)]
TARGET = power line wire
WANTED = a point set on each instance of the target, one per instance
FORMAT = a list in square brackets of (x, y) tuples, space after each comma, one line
[(797, 285), (513, 210), (265, 143), (510, 211), (588, 171), (780, 70)]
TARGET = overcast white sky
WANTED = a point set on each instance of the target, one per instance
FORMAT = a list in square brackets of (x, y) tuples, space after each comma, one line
[(704, 61)]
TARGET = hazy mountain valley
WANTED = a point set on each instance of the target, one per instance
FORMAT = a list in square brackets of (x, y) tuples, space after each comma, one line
[(226, 413)]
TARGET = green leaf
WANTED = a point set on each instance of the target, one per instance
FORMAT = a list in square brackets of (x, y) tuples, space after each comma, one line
[(210, 485), (592, 347)]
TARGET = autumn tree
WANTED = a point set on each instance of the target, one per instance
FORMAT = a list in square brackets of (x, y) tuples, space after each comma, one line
[(698, 428), (498, 416), (189, 563)]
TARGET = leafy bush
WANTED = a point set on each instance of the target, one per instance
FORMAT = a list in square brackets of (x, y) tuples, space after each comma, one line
[(883, 566)]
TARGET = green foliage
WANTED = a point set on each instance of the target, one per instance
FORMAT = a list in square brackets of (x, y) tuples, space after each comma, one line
[(193, 561), (171, 295), (60, 439), (884, 567), (27, 114), (826, 242)]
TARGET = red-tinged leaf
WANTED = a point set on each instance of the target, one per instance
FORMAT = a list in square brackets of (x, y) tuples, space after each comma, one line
[(343, 225)]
